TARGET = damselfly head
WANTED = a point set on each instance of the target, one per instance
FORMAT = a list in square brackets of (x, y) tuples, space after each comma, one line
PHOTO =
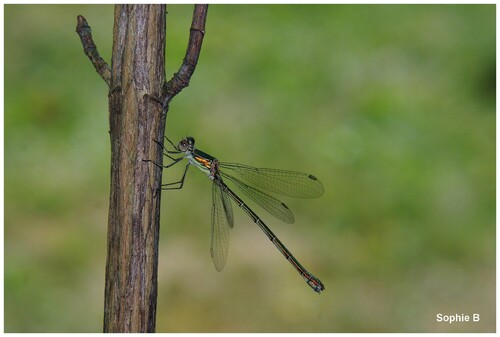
[(187, 144)]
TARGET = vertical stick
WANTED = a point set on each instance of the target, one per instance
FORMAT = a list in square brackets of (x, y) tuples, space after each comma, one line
[(138, 102), (137, 74)]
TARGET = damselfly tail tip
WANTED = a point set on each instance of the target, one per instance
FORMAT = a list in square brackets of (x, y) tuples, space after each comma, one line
[(317, 288), (315, 283)]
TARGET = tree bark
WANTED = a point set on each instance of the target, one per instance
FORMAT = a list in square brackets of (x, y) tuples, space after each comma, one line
[(139, 98), (135, 119)]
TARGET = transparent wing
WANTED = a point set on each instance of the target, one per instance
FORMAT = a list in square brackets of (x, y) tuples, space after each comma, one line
[(267, 202), (228, 209), (290, 183), (221, 221)]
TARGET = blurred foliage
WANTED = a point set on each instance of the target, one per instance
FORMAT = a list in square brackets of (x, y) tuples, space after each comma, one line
[(392, 107)]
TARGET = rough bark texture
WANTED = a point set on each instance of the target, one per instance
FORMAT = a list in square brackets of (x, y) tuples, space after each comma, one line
[(135, 119), (138, 102)]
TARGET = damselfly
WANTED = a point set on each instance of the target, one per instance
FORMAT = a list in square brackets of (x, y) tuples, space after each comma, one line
[(288, 183)]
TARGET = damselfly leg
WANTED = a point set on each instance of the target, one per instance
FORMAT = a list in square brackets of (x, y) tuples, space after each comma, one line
[(166, 153)]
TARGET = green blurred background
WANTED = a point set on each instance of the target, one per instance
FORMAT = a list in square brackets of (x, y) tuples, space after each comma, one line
[(392, 107)]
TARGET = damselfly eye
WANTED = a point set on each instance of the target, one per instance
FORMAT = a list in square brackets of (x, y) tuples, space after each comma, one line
[(183, 145), (186, 144)]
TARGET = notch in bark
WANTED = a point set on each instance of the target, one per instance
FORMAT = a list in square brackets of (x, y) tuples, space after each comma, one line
[(136, 80)]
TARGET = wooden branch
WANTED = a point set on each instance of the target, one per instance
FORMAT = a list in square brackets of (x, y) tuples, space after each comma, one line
[(89, 47), (181, 78), (137, 84), (137, 73)]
